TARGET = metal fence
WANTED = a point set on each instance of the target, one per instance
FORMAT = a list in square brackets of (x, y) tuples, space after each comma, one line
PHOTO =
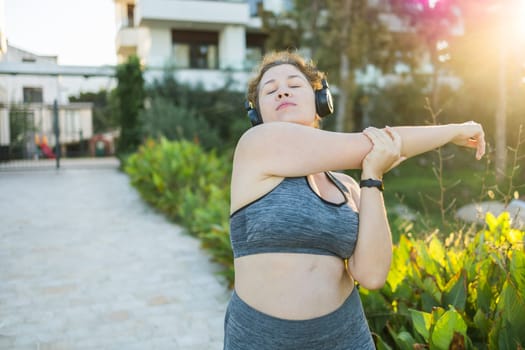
[(37, 136)]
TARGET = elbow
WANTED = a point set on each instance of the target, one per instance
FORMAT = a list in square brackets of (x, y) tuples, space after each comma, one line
[(372, 280), (372, 283), (371, 275)]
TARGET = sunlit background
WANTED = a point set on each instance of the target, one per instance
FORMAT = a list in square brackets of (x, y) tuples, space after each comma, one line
[(79, 32)]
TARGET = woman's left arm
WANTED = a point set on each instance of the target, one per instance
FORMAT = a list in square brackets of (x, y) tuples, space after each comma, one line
[(420, 139), (370, 263)]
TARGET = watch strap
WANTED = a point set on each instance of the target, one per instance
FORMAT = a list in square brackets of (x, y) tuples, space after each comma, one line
[(372, 183)]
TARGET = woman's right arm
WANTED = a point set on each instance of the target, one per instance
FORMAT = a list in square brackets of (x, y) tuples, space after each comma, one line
[(420, 139), (286, 149)]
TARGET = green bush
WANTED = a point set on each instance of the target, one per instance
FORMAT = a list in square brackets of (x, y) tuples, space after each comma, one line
[(165, 119), (222, 109), (190, 186), (465, 293)]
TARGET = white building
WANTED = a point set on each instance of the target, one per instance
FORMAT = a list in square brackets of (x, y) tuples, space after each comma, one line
[(30, 84), (202, 40)]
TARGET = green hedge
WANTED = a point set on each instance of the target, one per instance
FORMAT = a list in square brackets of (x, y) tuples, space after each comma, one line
[(464, 293)]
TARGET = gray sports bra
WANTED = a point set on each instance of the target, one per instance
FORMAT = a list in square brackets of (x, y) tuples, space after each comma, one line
[(292, 218)]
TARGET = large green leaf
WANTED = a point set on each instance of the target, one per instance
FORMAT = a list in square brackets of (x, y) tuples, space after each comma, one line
[(455, 292), (436, 250), (484, 287), (482, 321), (381, 345), (431, 295), (400, 263), (422, 322), (511, 306), (517, 269), (450, 323), (405, 340), (508, 338)]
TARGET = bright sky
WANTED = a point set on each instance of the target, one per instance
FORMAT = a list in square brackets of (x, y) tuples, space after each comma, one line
[(79, 32)]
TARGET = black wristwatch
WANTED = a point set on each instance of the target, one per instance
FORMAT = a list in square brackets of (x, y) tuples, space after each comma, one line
[(372, 183)]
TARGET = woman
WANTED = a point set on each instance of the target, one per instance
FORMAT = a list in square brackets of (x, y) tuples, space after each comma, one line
[(302, 235)]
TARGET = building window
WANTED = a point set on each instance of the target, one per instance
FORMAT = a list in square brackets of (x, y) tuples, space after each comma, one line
[(195, 49), (33, 95), (256, 7), (130, 15), (254, 49)]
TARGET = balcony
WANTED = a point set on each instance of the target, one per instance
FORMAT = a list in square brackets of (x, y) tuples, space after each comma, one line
[(193, 11), (127, 38)]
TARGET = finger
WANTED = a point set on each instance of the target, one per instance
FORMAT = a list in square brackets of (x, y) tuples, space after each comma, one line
[(395, 137), (380, 136), (366, 132), (372, 134), (481, 147)]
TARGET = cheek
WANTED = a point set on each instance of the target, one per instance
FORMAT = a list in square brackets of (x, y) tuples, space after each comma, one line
[(311, 105), (263, 109)]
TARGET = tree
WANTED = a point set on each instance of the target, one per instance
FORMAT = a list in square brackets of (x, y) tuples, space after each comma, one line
[(342, 41), (429, 27), (488, 58), (130, 96)]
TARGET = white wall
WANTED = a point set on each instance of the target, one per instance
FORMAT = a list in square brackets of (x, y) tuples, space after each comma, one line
[(14, 87), (4, 127), (192, 11), (3, 35), (156, 47), (232, 47)]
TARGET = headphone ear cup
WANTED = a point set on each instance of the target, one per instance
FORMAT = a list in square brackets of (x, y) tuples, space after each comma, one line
[(323, 100), (252, 114)]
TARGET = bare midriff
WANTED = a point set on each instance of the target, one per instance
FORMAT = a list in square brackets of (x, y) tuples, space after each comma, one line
[(292, 286)]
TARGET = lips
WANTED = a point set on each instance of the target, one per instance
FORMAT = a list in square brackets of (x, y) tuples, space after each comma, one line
[(284, 105)]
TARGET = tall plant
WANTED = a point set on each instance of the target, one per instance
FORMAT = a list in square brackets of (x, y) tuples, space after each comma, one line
[(130, 96)]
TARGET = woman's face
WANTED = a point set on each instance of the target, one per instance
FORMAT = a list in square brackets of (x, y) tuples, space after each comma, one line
[(286, 95)]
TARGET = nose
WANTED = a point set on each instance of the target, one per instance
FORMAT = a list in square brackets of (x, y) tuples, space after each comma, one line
[(283, 94)]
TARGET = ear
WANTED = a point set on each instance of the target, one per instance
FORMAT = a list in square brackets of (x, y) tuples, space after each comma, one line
[(323, 100)]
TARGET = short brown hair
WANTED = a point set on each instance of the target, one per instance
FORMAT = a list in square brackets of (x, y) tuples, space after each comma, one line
[(272, 59)]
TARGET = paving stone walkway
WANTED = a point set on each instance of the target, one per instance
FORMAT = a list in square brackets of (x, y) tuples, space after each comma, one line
[(85, 264)]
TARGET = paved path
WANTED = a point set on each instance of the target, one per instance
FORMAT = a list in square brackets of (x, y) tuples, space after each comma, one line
[(85, 264)]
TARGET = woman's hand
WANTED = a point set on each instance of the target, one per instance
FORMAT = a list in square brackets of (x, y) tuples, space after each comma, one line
[(470, 134), (385, 153)]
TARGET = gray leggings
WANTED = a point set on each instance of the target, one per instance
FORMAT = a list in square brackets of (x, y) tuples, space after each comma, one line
[(343, 329)]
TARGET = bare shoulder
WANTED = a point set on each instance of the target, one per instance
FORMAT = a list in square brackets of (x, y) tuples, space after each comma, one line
[(271, 135), (248, 180)]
